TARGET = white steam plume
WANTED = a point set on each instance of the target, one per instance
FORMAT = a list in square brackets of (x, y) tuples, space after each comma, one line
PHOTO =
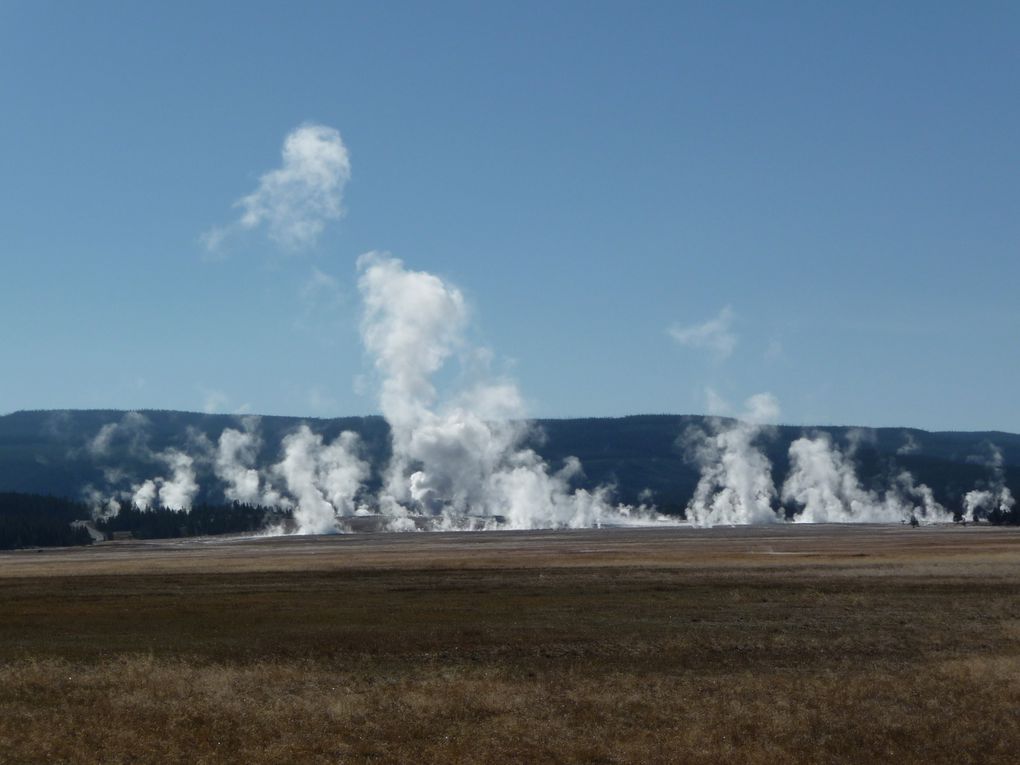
[(143, 495), (178, 491), (928, 509), (324, 479), (235, 464), (464, 456), (736, 477), (997, 496), (235, 457), (320, 482), (102, 504), (130, 436), (823, 482)]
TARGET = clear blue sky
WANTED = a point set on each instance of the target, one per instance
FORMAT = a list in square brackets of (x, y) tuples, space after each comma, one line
[(843, 178)]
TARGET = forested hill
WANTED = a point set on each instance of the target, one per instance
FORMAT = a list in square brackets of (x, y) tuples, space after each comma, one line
[(48, 452)]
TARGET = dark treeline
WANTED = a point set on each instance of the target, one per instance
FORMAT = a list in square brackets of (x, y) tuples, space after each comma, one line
[(29, 520), (164, 523)]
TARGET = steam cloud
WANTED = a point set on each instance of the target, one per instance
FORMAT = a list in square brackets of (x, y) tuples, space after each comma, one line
[(997, 496), (736, 477), (176, 491), (458, 461), (461, 460), (465, 455), (320, 482), (823, 482), (736, 485), (296, 200), (235, 460), (714, 335), (324, 479)]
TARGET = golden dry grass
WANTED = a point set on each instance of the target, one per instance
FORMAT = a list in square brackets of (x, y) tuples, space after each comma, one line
[(904, 651), (139, 709)]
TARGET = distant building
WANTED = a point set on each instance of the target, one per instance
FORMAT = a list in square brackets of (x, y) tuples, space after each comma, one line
[(96, 534)]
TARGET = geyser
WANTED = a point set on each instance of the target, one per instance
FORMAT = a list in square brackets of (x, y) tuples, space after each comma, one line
[(822, 481), (463, 455), (736, 477), (995, 495)]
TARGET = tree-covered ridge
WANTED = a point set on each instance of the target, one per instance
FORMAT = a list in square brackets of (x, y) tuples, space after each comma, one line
[(641, 456)]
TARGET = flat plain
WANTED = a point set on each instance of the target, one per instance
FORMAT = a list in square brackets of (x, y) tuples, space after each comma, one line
[(832, 644)]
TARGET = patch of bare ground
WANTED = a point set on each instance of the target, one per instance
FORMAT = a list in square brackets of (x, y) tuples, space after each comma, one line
[(867, 649)]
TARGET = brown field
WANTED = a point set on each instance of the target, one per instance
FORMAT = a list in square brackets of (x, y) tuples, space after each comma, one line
[(794, 644)]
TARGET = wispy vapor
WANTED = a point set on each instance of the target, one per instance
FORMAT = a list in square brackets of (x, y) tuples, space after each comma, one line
[(131, 433), (714, 335), (910, 445), (321, 301), (214, 400), (235, 465), (298, 199), (715, 404), (319, 288), (774, 350)]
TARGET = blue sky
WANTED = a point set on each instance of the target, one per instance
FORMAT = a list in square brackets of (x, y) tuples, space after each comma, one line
[(641, 202)]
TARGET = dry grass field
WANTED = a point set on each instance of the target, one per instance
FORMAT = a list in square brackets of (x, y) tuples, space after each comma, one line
[(755, 645)]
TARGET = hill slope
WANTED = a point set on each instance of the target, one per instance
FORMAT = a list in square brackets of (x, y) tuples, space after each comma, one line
[(49, 452)]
